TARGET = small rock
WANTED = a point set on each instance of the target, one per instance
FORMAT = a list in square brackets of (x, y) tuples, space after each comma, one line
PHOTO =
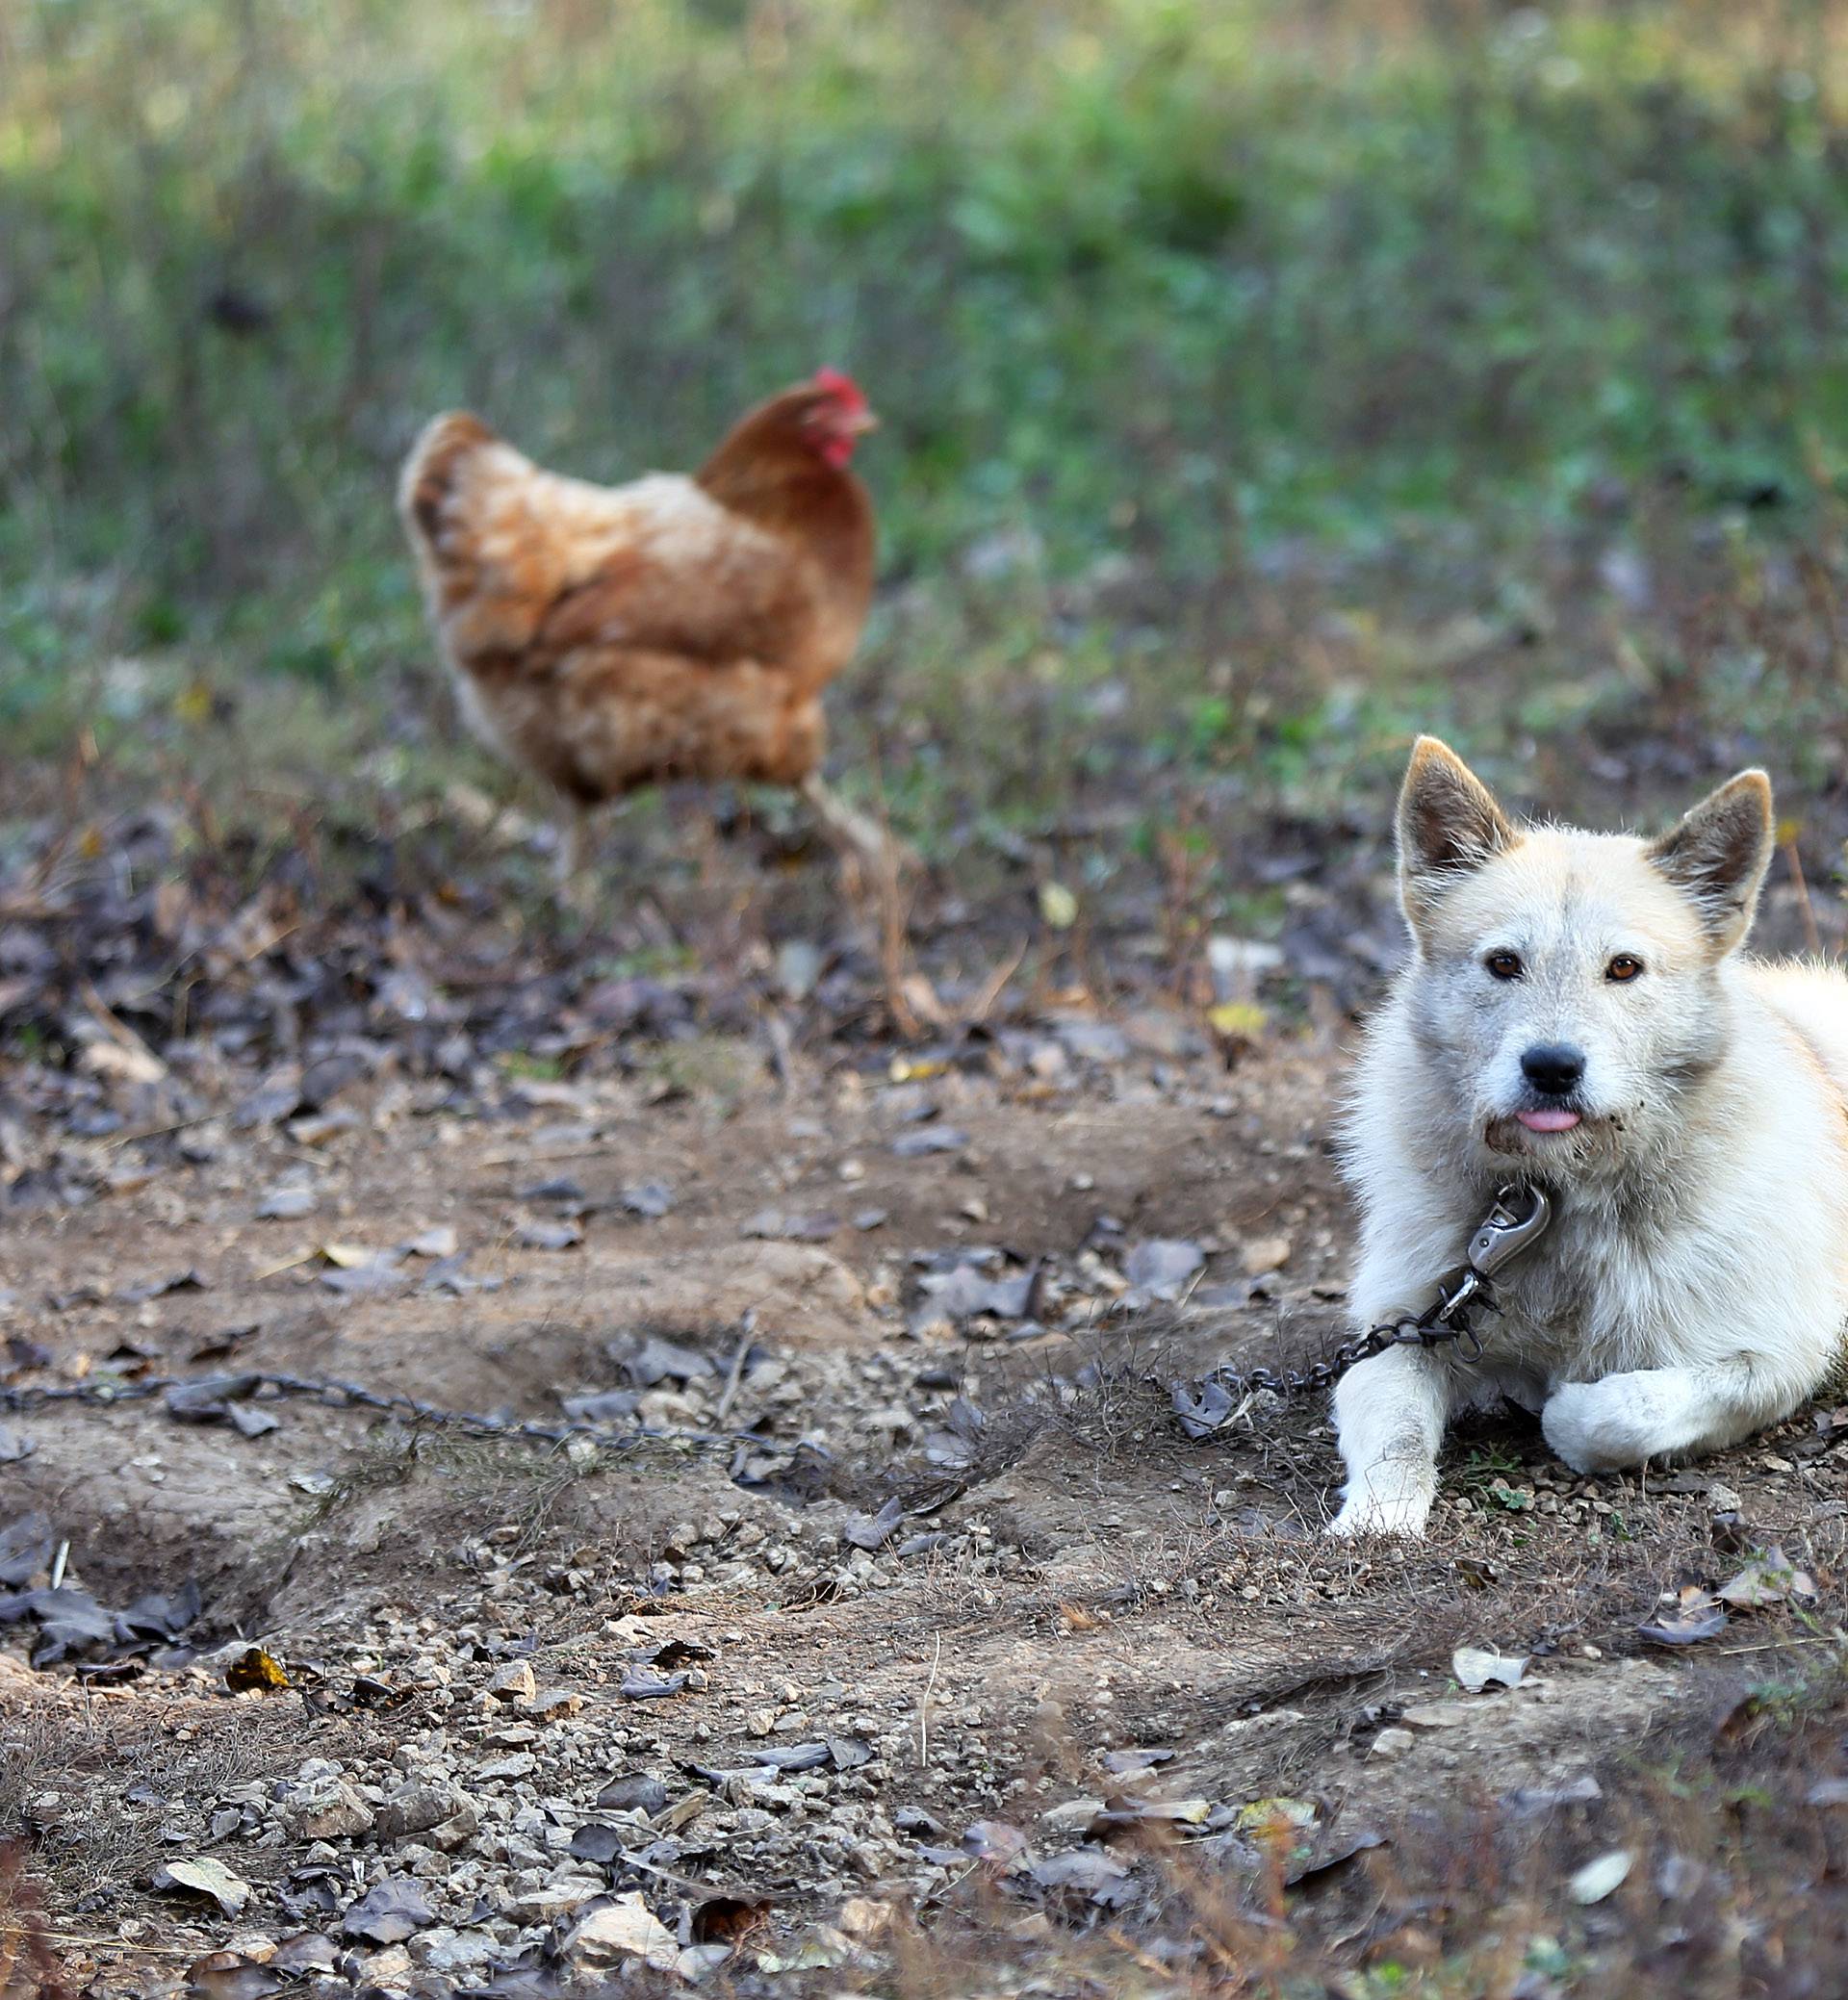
[(444, 1950), (624, 1927), (1264, 1254), (326, 1811), (1392, 1743), (1529, 1800), (1073, 1814), (388, 1971), (1436, 1715), (1596, 1880), (514, 1683), (287, 1203), (865, 1917), (520, 1765), (555, 1899), (1677, 1878), (457, 1830), (417, 1808)]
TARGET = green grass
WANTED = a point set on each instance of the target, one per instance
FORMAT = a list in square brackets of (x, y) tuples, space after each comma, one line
[(1197, 326)]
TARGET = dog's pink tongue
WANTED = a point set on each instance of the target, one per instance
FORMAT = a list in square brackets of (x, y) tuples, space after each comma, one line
[(1547, 1120)]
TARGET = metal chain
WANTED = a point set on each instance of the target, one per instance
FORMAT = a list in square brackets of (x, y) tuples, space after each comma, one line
[(1517, 1218), (205, 1398)]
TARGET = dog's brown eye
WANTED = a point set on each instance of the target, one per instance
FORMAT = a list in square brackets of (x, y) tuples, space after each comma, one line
[(1504, 964), (1623, 968)]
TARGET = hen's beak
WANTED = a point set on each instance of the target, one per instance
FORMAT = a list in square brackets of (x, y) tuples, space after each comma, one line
[(857, 422)]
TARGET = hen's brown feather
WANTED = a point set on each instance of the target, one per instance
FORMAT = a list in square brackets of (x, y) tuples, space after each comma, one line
[(608, 637)]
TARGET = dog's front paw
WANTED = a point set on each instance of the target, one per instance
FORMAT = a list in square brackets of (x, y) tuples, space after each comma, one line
[(1381, 1514)]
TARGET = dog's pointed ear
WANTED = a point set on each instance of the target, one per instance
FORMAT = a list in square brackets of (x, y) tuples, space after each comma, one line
[(1449, 824), (1718, 854)]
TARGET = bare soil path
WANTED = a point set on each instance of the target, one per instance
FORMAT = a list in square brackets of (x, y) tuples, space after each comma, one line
[(552, 1711)]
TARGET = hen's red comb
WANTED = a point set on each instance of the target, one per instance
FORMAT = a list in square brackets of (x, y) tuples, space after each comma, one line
[(842, 386)]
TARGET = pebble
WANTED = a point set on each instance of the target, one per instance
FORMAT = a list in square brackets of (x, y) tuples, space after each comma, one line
[(634, 1792), (1264, 1254), (419, 1808), (522, 1765), (445, 1950), (326, 1811), (1440, 1715), (514, 1683), (554, 1899), (625, 1928)]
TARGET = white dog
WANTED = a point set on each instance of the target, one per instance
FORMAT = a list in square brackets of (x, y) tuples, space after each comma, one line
[(1576, 1016)]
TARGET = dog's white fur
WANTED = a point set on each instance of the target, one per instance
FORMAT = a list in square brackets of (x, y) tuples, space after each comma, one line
[(1694, 1283)]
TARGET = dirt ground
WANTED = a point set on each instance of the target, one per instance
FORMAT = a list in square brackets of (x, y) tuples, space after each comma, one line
[(965, 1641)]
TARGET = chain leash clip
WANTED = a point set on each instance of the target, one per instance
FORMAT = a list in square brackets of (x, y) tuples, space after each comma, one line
[(1517, 1218)]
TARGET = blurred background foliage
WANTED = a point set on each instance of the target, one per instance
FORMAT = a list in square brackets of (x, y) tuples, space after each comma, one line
[(1259, 379)]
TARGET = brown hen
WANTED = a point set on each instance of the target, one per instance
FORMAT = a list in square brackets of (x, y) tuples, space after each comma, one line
[(608, 637)]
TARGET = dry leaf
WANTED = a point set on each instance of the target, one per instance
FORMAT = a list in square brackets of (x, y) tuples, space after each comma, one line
[(254, 1668), (1768, 1579), (1696, 1614), (198, 1875)]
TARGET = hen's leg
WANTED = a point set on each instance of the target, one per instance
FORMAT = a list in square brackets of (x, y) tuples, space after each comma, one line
[(854, 830), (577, 843)]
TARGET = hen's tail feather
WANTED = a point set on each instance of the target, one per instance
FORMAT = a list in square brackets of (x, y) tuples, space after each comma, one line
[(429, 482), (487, 570)]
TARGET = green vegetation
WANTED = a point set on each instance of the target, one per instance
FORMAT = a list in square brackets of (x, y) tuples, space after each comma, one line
[(1284, 364)]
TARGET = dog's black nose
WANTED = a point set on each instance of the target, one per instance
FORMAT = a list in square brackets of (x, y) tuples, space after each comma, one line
[(1554, 1068)]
